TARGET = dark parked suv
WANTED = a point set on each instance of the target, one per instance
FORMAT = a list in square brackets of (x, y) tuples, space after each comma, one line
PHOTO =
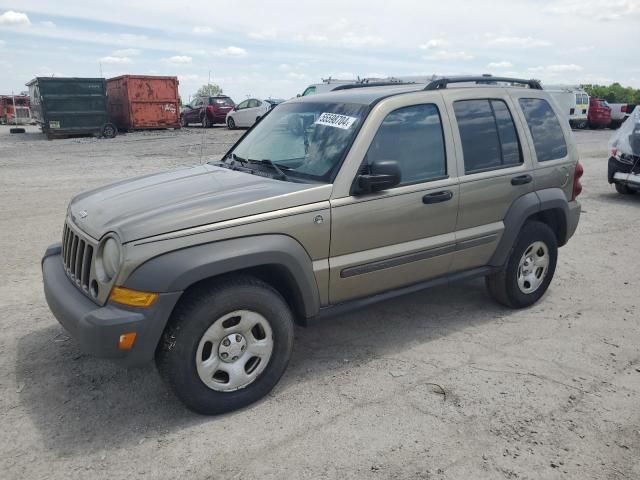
[(206, 111), (330, 202)]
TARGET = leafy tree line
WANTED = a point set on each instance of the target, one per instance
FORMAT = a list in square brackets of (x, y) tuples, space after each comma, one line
[(614, 93)]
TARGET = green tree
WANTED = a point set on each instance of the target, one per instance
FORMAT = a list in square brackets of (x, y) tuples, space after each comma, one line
[(209, 90), (614, 93)]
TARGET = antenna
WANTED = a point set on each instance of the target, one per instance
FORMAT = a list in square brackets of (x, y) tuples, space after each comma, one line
[(100, 63)]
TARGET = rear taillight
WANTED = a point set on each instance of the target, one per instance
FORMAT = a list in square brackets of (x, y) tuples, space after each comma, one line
[(210, 108), (624, 109), (577, 185)]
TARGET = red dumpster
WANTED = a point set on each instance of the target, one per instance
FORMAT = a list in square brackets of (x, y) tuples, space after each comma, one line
[(143, 102)]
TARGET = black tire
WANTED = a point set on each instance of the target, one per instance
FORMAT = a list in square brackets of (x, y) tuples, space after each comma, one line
[(196, 312), (206, 123), (109, 130), (16, 130), (623, 189), (231, 124), (503, 285), (183, 122)]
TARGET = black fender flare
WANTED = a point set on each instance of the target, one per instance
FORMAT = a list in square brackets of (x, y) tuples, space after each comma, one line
[(178, 270), (521, 209)]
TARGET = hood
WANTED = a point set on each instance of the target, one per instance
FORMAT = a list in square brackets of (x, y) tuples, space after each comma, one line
[(165, 202)]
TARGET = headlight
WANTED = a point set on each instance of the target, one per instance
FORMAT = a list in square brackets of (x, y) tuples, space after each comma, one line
[(109, 259)]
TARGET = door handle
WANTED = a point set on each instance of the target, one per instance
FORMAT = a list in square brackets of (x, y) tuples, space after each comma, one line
[(437, 197), (521, 180)]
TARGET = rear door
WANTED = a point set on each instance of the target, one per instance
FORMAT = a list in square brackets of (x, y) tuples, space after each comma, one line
[(403, 235), (495, 169), (553, 161)]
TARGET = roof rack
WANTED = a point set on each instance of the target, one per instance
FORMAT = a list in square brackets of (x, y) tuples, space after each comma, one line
[(349, 86), (443, 82)]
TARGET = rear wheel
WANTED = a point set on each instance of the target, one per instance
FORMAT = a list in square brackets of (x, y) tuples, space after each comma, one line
[(231, 123), (529, 269), (109, 130), (623, 189), (227, 345)]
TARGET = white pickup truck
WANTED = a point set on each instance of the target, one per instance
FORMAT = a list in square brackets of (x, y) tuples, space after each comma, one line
[(619, 113)]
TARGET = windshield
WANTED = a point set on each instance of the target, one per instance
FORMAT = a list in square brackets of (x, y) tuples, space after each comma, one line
[(307, 140)]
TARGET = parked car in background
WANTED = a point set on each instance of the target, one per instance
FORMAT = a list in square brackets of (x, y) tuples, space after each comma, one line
[(246, 113), (207, 111), (599, 113), (327, 85), (624, 163), (619, 113), (573, 101)]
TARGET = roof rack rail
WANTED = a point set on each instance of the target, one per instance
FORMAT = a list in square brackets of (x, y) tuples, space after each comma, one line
[(349, 86), (443, 82)]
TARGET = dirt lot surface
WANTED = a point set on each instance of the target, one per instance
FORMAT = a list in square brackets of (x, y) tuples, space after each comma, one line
[(443, 384)]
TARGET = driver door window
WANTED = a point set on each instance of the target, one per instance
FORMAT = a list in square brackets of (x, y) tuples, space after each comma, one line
[(413, 137)]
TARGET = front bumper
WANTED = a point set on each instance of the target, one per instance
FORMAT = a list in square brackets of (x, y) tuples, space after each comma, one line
[(97, 329)]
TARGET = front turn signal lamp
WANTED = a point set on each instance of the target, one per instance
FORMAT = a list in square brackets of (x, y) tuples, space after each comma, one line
[(132, 298)]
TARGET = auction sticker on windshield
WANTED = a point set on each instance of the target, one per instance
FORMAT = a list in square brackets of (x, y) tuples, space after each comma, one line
[(336, 120)]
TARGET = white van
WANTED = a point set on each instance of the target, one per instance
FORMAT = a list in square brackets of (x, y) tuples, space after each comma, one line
[(573, 101)]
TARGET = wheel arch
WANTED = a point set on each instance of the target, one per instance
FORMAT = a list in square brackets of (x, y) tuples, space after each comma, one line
[(278, 260), (548, 206)]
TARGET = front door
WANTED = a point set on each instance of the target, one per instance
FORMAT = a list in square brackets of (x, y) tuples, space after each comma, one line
[(393, 238)]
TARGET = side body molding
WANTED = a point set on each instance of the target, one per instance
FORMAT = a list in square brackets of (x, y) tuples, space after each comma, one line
[(176, 271), (521, 209)]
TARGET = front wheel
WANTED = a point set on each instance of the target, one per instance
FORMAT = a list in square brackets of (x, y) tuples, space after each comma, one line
[(206, 123), (529, 269), (226, 346), (231, 123), (183, 122)]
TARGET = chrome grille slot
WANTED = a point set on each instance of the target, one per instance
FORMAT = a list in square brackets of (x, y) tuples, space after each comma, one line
[(77, 257)]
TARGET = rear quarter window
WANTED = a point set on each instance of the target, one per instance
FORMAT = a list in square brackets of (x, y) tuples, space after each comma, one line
[(548, 138)]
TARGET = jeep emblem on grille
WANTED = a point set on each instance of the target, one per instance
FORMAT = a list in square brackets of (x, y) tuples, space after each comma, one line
[(83, 213)]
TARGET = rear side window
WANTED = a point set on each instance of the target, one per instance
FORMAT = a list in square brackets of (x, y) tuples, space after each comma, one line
[(545, 129), (222, 101), (413, 137), (488, 134)]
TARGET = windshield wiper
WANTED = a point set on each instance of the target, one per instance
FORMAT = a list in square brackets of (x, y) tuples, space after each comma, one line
[(236, 158), (266, 161)]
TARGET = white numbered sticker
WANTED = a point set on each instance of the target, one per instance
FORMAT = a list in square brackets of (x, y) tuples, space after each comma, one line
[(336, 120)]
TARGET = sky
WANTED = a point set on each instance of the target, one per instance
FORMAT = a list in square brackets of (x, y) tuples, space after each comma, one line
[(253, 48)]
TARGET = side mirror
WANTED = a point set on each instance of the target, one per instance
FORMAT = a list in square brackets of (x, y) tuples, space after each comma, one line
[(298, 95), (382, 175), (235, 109)]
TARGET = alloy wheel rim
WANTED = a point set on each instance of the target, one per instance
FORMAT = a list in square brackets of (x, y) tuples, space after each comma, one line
[(234, 351), (533, 267)]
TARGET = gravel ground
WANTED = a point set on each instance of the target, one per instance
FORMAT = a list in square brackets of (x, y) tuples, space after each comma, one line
[(443, 384)]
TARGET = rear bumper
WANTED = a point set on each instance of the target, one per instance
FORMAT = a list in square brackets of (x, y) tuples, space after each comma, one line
[(600, 121), (573, 218), (97, 329)]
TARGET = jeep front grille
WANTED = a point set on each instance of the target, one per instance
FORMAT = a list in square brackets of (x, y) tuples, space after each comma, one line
[(77, 257)]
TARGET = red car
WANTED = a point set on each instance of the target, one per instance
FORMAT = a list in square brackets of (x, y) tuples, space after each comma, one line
[(599, 115), (206, 111)]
